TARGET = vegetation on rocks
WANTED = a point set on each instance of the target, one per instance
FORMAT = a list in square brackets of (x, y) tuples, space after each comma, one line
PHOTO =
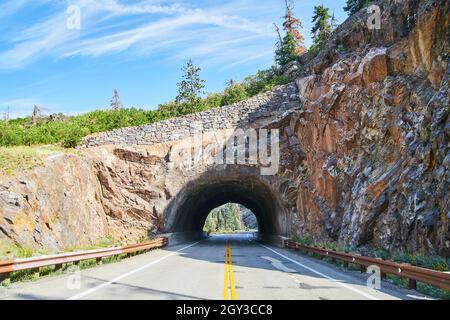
[(290, 46), (353, 6), (23, 158), (322, 28)]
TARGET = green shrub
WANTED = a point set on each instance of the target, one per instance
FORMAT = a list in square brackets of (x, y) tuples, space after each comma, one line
[(213, 100), (73, 135), (303, 239), (234, 93)]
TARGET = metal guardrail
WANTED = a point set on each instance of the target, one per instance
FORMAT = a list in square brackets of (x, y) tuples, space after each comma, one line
[(34, 263), (405, 270)]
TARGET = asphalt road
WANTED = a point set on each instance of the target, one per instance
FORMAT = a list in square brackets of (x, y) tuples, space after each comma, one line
[(209, 269)]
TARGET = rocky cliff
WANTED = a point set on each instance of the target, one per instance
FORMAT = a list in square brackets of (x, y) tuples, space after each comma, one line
[(364, 152), (374, 130)]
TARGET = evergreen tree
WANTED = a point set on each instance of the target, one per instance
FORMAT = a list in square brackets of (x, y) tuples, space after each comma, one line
[(191, 87), (225, 218), (292, 44), (115, 101), (321, 30), (353, 6)]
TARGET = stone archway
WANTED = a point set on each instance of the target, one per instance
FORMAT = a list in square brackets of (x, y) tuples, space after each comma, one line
[(189, 209)]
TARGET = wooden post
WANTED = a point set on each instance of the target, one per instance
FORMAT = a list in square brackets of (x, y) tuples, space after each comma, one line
[(4, 276), (412, 284), (58, 266), (35, 273)]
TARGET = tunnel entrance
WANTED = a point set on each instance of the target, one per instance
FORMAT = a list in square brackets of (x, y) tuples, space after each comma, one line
[(231, 218), (189, 209)]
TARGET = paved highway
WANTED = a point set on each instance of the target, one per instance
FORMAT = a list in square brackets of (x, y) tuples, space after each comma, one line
[(221, 267)]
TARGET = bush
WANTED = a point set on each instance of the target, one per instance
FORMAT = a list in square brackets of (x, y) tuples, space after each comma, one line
[(213, 100), (264, 80), (233, 94), (73, 136), (303, 239)]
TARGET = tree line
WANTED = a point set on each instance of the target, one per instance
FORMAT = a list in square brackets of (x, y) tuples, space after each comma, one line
[(226, 218)]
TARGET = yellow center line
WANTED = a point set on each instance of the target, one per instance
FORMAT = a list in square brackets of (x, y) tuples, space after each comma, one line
[(233, 288), (228, 278), (225, 275)]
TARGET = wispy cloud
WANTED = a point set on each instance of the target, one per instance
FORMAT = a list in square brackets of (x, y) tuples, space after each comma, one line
[(162, 28)]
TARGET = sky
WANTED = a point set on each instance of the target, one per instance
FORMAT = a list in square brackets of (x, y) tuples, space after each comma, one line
[(136, 47)]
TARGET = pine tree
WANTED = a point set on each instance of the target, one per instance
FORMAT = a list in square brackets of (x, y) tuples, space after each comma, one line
[(292, 44), (321, 30), (353, 6), (191, 87), (115, 101)]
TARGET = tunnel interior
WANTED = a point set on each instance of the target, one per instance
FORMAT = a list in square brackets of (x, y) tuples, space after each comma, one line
[(189, 209)]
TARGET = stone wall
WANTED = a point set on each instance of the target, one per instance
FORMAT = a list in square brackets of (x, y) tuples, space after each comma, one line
[(241, 114)]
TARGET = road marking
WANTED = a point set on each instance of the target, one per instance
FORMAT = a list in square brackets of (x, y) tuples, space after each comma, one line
[(233, 288), (228, 278), (92, 290), (225, 274), (277, 264), (323, 275)]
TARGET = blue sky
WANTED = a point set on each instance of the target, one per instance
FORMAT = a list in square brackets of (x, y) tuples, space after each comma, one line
[(137, 47)]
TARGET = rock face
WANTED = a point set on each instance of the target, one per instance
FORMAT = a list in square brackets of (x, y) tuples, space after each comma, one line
[(364, 153), (55, 206), (374, 129), (249, 219)]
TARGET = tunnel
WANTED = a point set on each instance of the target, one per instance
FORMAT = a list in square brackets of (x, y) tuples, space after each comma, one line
[(189, 209)]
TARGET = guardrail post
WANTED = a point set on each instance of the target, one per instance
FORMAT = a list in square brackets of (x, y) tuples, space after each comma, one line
[(362, 268), (35, 272), (4, 276), (383, 275), (99, 261), (58, 266), (412, 285)]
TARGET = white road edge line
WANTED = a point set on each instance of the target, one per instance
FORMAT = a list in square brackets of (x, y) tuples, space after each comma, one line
[(88, 292), (323, 275)]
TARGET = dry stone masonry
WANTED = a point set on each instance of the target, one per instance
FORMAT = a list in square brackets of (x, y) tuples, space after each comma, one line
[(241, 114)]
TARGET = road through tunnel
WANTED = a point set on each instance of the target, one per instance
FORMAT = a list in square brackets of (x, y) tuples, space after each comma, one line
[(188, 211)]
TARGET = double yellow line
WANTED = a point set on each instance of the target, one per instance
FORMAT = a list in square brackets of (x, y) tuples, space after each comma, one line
[(228, 276)]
